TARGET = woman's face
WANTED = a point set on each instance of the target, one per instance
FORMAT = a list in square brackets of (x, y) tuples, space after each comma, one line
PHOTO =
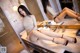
[(22, 12)]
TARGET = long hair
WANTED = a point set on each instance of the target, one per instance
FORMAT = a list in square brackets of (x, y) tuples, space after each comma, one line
[(25, 9), (45, 3)]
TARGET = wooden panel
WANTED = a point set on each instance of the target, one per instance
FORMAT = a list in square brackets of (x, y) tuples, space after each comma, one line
[(34, 9)]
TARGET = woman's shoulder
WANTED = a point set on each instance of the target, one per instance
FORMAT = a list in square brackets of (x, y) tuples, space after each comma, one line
[(32, 16)]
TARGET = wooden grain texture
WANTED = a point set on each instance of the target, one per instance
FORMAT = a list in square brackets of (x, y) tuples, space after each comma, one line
[(34, 9)]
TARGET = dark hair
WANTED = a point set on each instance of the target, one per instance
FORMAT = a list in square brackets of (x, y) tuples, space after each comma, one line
[(25, 9), (45, 3)]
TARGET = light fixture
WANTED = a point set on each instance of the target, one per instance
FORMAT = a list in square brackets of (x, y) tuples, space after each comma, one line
[(14, 5), (15, 8)]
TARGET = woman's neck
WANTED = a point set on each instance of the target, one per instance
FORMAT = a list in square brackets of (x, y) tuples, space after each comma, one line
[(28, 16)]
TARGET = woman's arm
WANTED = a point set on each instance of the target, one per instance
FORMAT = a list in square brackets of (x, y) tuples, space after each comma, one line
[(34, 22)]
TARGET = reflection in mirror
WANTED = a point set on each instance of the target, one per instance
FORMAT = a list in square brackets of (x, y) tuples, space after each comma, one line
[(48, 8), (49, 12)]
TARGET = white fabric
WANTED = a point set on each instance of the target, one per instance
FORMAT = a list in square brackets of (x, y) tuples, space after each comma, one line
[(29, 23)]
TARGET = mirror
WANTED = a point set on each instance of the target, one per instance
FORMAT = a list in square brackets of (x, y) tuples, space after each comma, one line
[(54, 6), (51, 10)]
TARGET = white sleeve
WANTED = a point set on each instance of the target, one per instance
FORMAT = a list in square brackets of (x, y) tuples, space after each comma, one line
[(34, 21)]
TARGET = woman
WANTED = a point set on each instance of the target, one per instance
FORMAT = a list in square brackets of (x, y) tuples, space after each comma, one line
[(29, 23), (58, 16), (29, 20)]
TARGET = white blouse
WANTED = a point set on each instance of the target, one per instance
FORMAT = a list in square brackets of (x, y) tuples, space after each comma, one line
[(29, 23)]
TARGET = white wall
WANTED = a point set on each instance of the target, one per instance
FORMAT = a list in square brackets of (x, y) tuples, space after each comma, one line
[(12, 16)]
